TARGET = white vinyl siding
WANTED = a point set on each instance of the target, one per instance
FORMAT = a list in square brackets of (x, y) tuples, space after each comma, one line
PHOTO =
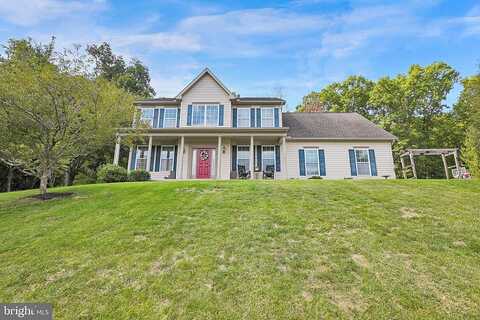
[(267, 118), (141, 158), (170, 118), (206, 90), (243, 117), (337, 159)]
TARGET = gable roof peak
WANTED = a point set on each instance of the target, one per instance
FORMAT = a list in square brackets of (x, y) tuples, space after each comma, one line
[(205, 71)]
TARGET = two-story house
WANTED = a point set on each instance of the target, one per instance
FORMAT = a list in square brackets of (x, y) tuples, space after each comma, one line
[(209, 132)]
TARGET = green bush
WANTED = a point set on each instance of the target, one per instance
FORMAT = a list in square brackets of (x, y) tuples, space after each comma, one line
[(139, 175), (112, 173)]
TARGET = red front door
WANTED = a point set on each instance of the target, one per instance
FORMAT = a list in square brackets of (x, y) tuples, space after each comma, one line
[(204, 161)]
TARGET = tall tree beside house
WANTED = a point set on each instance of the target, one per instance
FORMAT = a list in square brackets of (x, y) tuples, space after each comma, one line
[(51, 112), (312, 103), (467, 113), (133, 77)]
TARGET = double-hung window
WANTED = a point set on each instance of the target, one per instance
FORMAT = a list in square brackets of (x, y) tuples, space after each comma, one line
[(141, 158), (146, 116), (267, 118), (363, 162), (243, 117), (167, 158), (170, 118), (312, 165), (243, 158), (205, 115), (268, 157)]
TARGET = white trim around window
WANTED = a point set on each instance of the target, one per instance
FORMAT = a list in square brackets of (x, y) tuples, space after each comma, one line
[(205, 119), (141, 150), (171, 120), (167, 158), (262, 120), (363, 163), (149, 119), (246, 111), (274, 158), (310, 162)]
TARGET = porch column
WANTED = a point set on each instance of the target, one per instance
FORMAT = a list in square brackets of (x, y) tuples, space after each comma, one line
[(129, 159), (284, 158), (149, 153), (252, 165), (180, 158), (116, 155), (219, 157)]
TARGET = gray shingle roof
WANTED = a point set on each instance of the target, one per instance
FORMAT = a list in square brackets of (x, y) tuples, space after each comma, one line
[(330, 125)]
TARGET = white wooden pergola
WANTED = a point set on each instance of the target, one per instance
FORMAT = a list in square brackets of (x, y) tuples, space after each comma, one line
[(411, 153)]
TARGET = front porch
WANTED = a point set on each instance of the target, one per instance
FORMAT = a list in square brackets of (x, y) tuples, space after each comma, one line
[(247, 155)]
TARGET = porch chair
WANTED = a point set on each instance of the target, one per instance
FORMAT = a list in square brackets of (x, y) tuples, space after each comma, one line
[(243, 173), (269, 172)]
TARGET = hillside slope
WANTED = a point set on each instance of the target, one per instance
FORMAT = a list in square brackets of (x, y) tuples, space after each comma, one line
[(247, 250)]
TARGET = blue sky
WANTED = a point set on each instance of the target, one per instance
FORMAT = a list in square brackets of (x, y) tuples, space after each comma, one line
[(261, 47)]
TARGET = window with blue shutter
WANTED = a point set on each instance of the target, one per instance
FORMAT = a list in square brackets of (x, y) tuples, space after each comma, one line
[(373, 162), (258, 158), (220, 115), (134, 158), (252, 117), (321, 161), (178, 117), (353, 163), (234, 158), (175, 162), (189, 115), (301, 162), (277, 117), (277, 159), (155, 118), (259, 118), (162, 118), (234, 117), (157, 158)]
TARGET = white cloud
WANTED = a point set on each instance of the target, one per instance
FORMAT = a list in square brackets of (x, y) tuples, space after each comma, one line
[(161, 41), (32, 12)]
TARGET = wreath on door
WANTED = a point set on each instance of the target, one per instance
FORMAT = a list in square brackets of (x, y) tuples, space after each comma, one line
[(204, 155)]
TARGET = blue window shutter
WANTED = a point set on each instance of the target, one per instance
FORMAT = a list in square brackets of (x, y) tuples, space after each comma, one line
[(277, 117), (162, 118), (134, 158), (353, 162), (252, 117), (155, 118), (277, 159), (321, 160), (175, 161), (151, 156), (234, 158), (157, 158), (234, 117), (373, 162), (178, 117), (259, 118), (189, 115), (301, 161), (258, 156), (220, 115)]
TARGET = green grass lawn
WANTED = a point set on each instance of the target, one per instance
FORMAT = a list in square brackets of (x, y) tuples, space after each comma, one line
[(247, 250)]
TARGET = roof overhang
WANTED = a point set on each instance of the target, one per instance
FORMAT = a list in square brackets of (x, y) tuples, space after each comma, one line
[(157, 102), (259, 101), (338, 139), (198, 131)]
